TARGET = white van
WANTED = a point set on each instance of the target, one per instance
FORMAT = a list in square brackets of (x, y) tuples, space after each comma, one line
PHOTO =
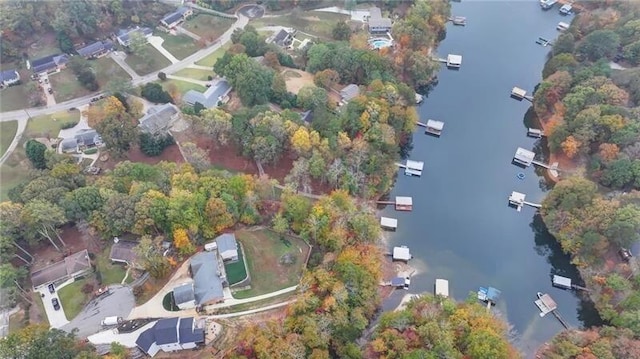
[(111, 321)]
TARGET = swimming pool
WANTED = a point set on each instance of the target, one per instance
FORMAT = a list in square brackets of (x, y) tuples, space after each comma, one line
[(380, 43)]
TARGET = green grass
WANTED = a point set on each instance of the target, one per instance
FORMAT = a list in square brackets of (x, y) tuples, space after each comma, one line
[(169, 303), (207, 26), (50, 125), (106, 70), (37, 299), (263, 250), (111, 273), (13, 98), (180, 46), (213, 57), (144, 65), (196, 74), (72, 298), (7, 133), (182, 86), (236, 271), (316, 23), (11, 176), (66, 87), (43, 47)]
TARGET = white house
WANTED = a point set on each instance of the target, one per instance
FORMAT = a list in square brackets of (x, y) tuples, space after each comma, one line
[(124, 35)]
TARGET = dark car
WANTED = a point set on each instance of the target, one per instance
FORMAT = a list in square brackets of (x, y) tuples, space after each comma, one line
[(51, 287), (625, 254), (56, 304)]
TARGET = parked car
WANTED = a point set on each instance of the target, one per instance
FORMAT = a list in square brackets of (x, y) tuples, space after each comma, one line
[(52, 288), (56, 304), (625, 254)]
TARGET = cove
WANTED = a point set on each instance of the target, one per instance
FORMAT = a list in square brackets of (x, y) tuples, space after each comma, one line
[(461, 228)]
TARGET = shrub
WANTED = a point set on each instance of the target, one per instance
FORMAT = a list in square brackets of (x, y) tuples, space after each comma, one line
[(67, 125), (91, 151), (152, 145), (87, 288), (162, 76)]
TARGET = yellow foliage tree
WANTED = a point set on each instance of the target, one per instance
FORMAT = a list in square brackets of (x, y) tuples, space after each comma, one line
[(110, 107), (301, 142), (571, 146), (344, 142), (182, 242), (609, 151)]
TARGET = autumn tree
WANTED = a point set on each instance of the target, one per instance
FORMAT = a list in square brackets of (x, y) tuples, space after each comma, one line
[(609, 151), (216, 217), (214, 122), (571, 146), (326, 79), (38, 341), (43, 218), (149, 253), (182, 242), (115, 125)]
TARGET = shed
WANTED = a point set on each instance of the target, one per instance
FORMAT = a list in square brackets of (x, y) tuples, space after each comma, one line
[(401, 253), (434, 127), (523, 157), (349, 92), (389, 223), (404, 203), (123, 251), (561, 282), (454, 61), (516, 199), (518, 93), (442, 288)]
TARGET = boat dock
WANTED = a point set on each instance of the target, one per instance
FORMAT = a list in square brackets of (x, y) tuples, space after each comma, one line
[(458, 20), (400, 203), (547, 305), (401, 253), (441, 288), (412, 168), (544, 42), (432, 127), (517, 200), (452, 61), (398, 283), (489, 295), (520, 94), (387, 223), (524, 157), (535, 133), (565, 283)]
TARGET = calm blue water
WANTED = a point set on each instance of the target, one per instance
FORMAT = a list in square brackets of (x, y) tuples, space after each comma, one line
[(461, 228)]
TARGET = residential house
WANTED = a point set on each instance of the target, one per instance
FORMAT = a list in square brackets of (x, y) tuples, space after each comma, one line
[(124, 252), (49, 63), (159, 119), (349, 93), (172, 20), (377, 23), (88, 138), (209, 277), (124, 35), (71, 267), (216, 93), (96, 50), (227, 247), (68, 145), (184, 296), (9, 77), (170, 335), (283, 38)]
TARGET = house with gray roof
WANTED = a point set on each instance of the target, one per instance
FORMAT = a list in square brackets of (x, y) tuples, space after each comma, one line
[(173, 19), (283, 38), (159, 119), (209, 277), (124, 35), (215, 94), (96, 49), (72, 266), (349, 92), (184, 296), (377, 23), (227, 247), (9, 77), (124, 252), (68, 145), (49, 63), (171, 335), (88, 138)]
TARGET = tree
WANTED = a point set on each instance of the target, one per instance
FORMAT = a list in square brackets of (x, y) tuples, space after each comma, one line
[(571, 146), (217, 217), (43, 218), (311, 98), (280, 224), (214, 122), (152, 145), (624, 228), (150, 256), (117, 215), (278, 88), (82, 202), (38, 341), (599, 44), (154, 93), (35, 152), (271, 60), (341, 31), (138, 44), (117, 128), (326, 79), (300, 141), (162, 76), (182, 242), (118, 351), (84, 73), (609, 151), (196, 156)]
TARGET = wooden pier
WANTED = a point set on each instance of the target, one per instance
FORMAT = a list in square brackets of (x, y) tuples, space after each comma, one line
[(547, 305), (452, 61), (566, 283), (520, 94), (400, 203), (517, 200)]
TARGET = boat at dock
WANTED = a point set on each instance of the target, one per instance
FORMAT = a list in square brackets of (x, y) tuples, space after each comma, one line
[(547, 4)]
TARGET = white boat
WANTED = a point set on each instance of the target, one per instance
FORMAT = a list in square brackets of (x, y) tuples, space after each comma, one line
[(566, 9), (547, 4)]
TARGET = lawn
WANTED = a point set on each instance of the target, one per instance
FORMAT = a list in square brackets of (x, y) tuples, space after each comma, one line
[(106, 69), (11, 176), (66, 87), (179, 46), (213, 57), (196, 74), (207, 26), (72, 298), (316, 23), (50, 125), (111, 273), (264, 251), (13, 98), (236, 271), (153, 61), (7, 133), (182, 86)]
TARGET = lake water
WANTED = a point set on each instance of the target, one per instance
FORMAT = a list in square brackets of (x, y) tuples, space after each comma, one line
[(461, 228)]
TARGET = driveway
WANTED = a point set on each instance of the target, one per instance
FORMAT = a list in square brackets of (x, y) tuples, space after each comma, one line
[(112, 335), (156, 41), (46, 85), (118, 303), (57, 319)]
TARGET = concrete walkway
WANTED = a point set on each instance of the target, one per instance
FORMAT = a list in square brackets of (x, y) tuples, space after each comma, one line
[(182, 30), (156, 41), (200, 67), (112, 335), (187, 79), (233, 301), (118, 57), (252, 311)]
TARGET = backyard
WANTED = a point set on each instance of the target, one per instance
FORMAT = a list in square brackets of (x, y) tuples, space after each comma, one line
[(236, 271), (106, 70), (181, 86), (14, 98), (196, 74), (316, 23), (72, 298), (111, 273), (211, 59), (152, 61), (179, 46), (207, 26), (50, 125), (265, 255), (7, 132), (66, 87)]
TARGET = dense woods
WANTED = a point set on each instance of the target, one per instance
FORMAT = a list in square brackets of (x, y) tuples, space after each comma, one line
[(590, 113), (606, 342)]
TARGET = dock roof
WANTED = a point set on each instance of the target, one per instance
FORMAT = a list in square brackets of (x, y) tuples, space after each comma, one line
[(401, 253), (517, 197), (454, 59), (436, 125), (442, 287), (561, 281), (404, 201), (415, 165), (517, 91), (388, 222), (524, 155)]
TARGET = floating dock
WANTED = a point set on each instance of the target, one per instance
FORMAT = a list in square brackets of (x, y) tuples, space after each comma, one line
[(389, 223), (400, 203), (520, 94), (398, 282), (547, 305), (412, 168), (517, 200), (565, 283), (458, 20), (434, 127), (544, 42), (535, 133), (441, 288), (401, 253), (523, 157), (562, 26), (454, 61)]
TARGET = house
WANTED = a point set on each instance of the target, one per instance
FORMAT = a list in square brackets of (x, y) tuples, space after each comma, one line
[(49, 63), (283, 38), (184, 297), (88, 138), (96, 50), (227, 247), (159, 119), (214, 95), (71, 267), (377, 23), (68, 145), (170, 335), (9, 77), (123, 252), (349, 92), (208, 278), (172, 20), (124, 35)]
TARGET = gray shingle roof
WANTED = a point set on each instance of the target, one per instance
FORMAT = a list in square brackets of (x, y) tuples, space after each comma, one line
[(95, 48), (376, 20), (69, 144), (349, 92), (189, 334), (210, 97), (183, 294), (158, 118), (48, 62), (146, 339), (123, 251), (227, 242), (88, 137), (67, 267), (281, 36), (8, 75), (124, 35), (207, 284), (165, 331)]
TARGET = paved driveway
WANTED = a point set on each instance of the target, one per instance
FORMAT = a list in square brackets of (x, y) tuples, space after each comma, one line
[(112, 335), (56, 318), (118, 303)]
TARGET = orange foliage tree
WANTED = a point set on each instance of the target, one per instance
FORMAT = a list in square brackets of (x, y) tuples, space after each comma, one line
[(609, 151), (571, 146)]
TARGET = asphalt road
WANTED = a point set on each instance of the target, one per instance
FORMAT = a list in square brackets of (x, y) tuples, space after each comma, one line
[(118, 303)]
